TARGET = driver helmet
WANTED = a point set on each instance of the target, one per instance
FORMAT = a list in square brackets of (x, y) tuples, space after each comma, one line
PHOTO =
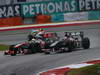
[(40, 29)]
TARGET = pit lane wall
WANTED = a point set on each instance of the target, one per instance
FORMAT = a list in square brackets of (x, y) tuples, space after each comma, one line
[(59, 10)]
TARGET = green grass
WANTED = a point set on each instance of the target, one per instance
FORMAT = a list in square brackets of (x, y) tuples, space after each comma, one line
[(3, 47), (89, 70)]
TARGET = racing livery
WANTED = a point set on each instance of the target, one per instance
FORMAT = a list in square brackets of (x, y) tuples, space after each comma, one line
[(71, 41), (50, 43), (33, 45)]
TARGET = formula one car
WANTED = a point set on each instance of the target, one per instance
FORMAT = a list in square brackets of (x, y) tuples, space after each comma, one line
[(22, 48), (72, 41), (35, 45)]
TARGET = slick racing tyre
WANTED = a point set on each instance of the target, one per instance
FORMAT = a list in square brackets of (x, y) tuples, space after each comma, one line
[(5, 53), (86, 43), (47, 52), (70, 46)]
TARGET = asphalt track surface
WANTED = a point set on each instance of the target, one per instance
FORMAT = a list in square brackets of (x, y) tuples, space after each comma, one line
[(32, 64)]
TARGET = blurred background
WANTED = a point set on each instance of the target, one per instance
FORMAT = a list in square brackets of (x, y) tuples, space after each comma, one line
[(27, 12)]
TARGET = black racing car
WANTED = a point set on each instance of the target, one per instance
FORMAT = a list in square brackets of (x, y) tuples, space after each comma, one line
[(71, 41)]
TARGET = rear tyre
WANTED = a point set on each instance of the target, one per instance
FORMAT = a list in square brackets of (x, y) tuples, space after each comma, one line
[(13, 51), (86, 43), (70, 46), (47, 52)]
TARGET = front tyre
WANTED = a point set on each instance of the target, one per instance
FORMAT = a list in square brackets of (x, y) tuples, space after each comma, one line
[(86, 43), (13, 53), (52, 51), (5, 53)]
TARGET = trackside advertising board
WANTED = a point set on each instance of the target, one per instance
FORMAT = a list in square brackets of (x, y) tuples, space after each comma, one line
[(88, 5), (10, 11), (94, 15), (59, 10), (59, 6), (49, 7), (77, 16)]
